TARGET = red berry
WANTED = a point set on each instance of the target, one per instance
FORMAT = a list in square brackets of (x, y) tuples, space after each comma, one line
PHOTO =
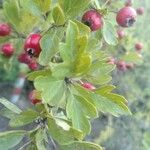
[(33, 65), (140, 11), (7, 49), (121, 34), (32, 97), (24, 58), (129, 3), (121, 65), (139, 46), (5, 29), (93, 19), (32, 45), (88, 86), (126, 17)]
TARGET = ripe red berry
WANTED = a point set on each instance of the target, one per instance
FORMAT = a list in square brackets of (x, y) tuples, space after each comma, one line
[(32, 45), (88, 86), (126, 17), (32, 97), (139, 46), (5, 29), (121, 34), (33, 65), (7, 49), (24, 58), (121, 65), (140, 11), (129, 3), (93, 19)]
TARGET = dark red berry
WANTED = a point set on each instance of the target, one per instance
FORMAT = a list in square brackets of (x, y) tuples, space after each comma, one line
[(121, 34), (88, 86), (5, 29), (126, 17), (121, 65), (24, 58), (32, 45), (140, 11), (139, 46), (32, 97), (33, 65), (7, 49), (93, 19)]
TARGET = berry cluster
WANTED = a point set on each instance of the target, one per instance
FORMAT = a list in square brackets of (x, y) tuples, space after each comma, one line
[(94, 19)]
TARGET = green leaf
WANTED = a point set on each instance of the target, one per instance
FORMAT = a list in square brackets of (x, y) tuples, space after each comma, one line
[(100, 80), (62, 132), (76, 113), (58, 15), (60, 70), (88, 108), (32, 7), (109, 33), (110, 105), (49, 45), (28, 21), (10, 106), (7, 113), (83, 64), (73, 8), (80, 146), (115, 105), (48, 85), (10, 138), (105, 89), (40, 139), (10, 6), (84, 29), (43, 5), (23, 118), (33, 75), (132, 57), (68, 50)]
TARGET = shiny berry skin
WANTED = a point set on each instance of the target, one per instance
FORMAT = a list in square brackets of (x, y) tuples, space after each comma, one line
[(121, 34), (33, 65), (139, 46), (121, 65), (32, 98), (140, 11), (7, 49), (24, 58), (32, 45), (88, 86), (93, 19), (5, 29), (126, 17)]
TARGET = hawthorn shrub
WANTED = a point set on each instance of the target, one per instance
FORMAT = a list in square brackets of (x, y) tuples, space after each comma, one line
[(69, 48)]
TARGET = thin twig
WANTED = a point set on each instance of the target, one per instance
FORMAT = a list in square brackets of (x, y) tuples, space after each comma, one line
[(26, 144), (53, 143), (106, 3)]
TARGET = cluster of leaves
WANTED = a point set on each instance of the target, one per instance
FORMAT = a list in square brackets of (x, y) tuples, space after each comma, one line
[(71, 54)]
